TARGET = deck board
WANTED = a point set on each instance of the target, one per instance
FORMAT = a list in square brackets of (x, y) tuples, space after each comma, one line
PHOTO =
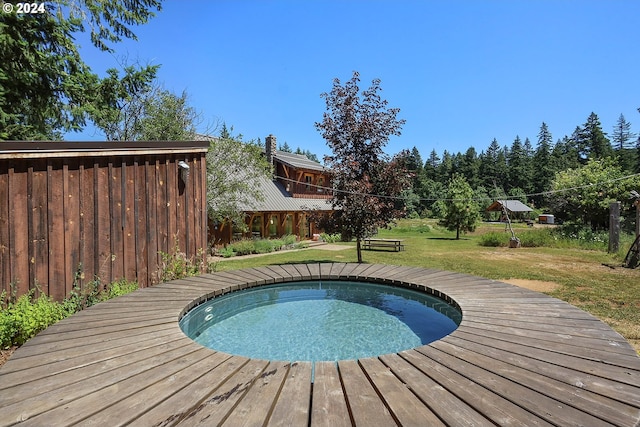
[(519, 358)]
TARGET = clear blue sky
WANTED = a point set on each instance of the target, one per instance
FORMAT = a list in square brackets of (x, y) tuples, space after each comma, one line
[(461, 72)]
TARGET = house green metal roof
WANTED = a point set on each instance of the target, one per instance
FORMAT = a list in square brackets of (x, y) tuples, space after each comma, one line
[(277, 199)]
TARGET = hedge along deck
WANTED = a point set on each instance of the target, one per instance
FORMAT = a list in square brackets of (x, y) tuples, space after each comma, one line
[(518, 358)]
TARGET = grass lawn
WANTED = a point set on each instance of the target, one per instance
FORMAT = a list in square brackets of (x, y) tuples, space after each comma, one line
[(590, 279)]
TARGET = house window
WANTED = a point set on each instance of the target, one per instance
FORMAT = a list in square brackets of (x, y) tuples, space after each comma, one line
[(256, 226), (307, 180), (320, 185), (288, 224), (273, 226)]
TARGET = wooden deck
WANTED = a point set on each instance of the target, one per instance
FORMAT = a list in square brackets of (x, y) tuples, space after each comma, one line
[(519, 358)]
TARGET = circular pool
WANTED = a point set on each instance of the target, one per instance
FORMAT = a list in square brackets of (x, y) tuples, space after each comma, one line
[(320, 321)]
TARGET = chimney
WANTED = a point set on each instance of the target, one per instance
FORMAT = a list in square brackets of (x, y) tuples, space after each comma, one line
[(270, 148)]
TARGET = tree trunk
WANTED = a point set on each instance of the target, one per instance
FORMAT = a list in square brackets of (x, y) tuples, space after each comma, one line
[(359, 250), (458, 233)]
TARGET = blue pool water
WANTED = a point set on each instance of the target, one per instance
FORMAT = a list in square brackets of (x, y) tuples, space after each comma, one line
[(320, 321)]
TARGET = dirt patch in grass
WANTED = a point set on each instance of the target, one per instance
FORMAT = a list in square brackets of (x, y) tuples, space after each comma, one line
[(534, 285)]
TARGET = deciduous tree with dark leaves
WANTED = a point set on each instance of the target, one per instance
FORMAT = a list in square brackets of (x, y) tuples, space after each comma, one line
[(367, 183)]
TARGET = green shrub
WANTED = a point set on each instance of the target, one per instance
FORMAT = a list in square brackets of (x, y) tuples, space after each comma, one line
[(536, 238), (277, 244), (289, 239), (118, 288), (243, 247), (494, 239), (226, 252), (24, 318), (263, 246), (330, 238)]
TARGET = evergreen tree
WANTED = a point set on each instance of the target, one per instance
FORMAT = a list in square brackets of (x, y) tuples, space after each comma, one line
[(519, 171), (46, 87), (543, 171), (595, 143), (488, 165), (445, 168), (622, 136), (431, 166), (285, 148), (470, 167), (637, 167), (624, 143)]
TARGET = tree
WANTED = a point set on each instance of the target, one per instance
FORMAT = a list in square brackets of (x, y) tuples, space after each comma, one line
[(622, 136), (519, 169), (234, 169), (366, 185), (117, 105), (585, 193), (543, 172), (592, 141), (461, 211), (168, 117), (285, 148), (470, 167), (44, 83)]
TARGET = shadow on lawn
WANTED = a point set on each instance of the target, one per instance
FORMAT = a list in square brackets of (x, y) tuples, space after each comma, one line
[(446, 238)]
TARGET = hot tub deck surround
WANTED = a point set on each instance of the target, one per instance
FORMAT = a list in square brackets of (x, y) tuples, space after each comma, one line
[(519, 358)]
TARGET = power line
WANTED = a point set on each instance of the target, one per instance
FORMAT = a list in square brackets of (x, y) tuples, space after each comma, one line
[(383, 196)]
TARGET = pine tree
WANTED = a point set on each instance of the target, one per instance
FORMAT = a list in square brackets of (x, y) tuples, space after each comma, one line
[(622, 136), (519, 171), (596, 143), (543, 171), (470, 167), (285, 148), (431, 165)]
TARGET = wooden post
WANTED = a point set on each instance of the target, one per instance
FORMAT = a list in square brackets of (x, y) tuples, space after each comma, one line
[(637, 203), (614, 227)]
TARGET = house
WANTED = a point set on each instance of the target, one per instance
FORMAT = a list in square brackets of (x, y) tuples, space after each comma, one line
[(298, 186), (514, 208)]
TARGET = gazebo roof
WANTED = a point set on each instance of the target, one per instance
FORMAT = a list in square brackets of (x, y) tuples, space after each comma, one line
[(509, 205)]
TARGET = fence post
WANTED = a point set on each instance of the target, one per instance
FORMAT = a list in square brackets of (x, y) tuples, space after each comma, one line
[(614, 227)]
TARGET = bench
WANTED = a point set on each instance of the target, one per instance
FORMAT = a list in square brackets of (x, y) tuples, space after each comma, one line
[(395, 244)]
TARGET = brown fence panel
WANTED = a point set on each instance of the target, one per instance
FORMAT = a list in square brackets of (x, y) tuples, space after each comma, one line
[(5, 262), (74, 212)]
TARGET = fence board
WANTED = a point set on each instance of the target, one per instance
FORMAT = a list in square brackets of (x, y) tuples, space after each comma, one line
[(173, 202), (18, 234), (39, 251), (55, 206), (102, 215), (87, 175), (117, 243), (71, 193), (5, 264), (151, 191), (140, 214), (161, 213), (129, 220)]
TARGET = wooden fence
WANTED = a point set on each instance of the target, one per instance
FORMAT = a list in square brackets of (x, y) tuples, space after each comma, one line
[(72, 212)]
